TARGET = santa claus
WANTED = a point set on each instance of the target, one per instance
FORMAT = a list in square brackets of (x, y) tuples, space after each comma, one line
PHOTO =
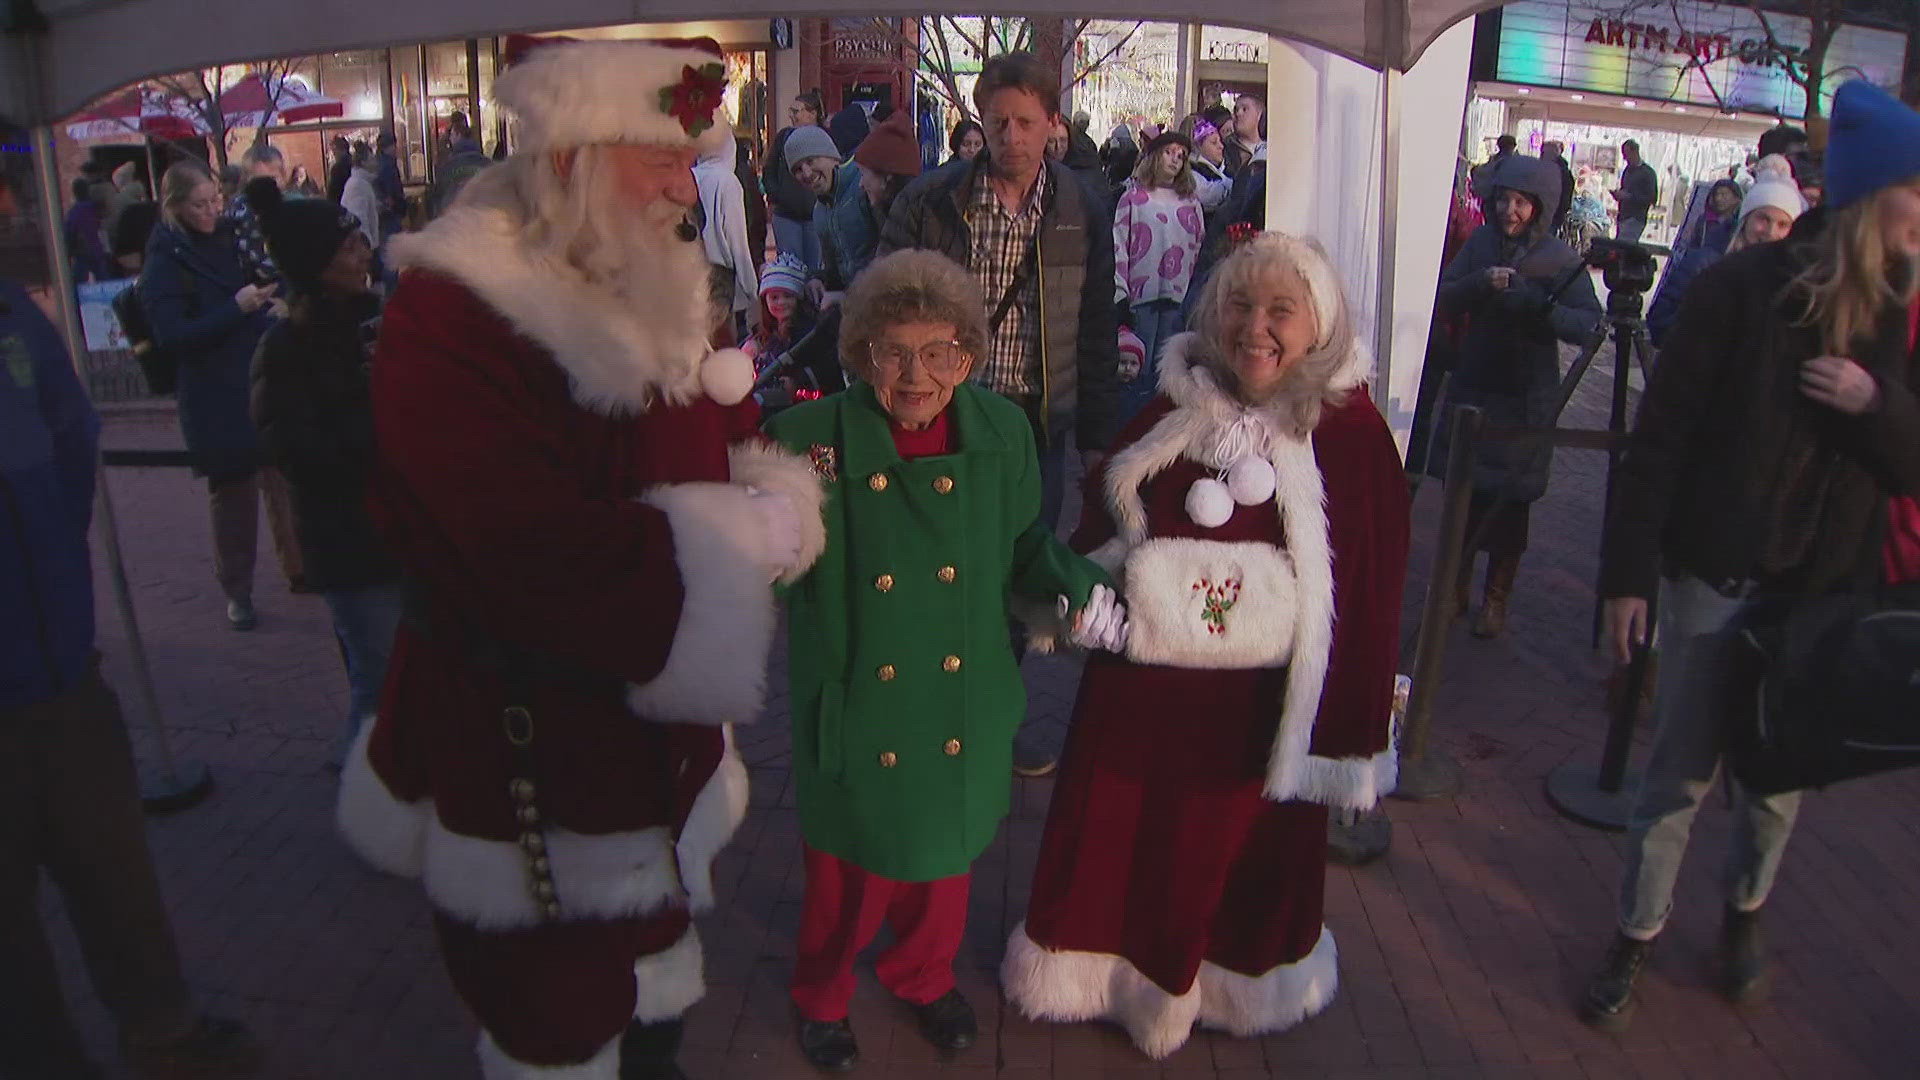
[(591, 527), (1256, 514)]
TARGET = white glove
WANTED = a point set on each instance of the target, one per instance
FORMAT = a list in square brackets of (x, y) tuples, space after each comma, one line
[(1101, 624), (779, 529)]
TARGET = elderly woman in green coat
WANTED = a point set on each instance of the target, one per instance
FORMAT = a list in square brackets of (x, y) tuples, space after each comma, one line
[(905, 690)]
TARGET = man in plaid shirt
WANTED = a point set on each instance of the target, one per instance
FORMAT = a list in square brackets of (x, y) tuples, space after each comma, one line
[(1041, 245)]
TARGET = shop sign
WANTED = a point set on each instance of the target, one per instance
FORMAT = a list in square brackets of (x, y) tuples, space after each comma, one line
[(864, 40), (1714, 55), (1225, 43)]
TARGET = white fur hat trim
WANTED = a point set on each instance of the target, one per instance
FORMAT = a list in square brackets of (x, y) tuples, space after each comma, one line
[(577, 93)]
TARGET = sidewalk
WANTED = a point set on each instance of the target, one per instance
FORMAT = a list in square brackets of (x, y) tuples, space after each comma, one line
[(1462, 951)]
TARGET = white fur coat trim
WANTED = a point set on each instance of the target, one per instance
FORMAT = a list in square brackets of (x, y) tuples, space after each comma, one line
[(1202, 416), (1067, 987), (716, 670), (601, 875), (495, 1064), (667, 983), (765, 465), (388, 833), (717, 812), (616, 362)]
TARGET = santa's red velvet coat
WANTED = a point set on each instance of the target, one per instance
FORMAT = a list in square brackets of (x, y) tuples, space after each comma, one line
[(1181, 874), (561, 484)]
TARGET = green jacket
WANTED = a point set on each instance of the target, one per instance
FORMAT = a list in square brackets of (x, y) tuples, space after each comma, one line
[(904, 690)]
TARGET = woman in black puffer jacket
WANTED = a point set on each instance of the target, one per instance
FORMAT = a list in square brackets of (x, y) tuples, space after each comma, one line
[(314, 410)]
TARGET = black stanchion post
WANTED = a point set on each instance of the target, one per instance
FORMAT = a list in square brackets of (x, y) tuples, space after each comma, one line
[(1426, 773)]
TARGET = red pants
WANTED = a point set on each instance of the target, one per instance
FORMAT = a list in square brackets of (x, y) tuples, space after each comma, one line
[(841, 912)]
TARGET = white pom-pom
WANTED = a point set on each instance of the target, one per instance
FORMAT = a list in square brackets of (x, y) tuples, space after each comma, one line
[(727, 376), (1251, 481), (1209, 503)]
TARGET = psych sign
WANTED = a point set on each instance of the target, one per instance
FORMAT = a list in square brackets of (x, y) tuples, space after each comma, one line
[(1714, 55)]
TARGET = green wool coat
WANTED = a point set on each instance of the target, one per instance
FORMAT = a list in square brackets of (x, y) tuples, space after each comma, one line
[(904, 690)]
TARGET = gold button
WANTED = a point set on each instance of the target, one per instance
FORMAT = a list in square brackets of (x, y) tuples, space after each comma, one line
[(885, 673), (888, 759), (952, 748), (884, 583), (951, 664), (943, 484), (878, 481), (946, 574)]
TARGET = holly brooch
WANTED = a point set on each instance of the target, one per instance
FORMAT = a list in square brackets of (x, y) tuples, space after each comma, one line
[(694, 98)]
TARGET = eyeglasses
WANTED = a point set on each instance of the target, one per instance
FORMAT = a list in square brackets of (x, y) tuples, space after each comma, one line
[(941, 359)]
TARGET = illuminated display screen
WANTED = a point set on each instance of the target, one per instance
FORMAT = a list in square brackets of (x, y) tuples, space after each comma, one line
[(1695, 53)]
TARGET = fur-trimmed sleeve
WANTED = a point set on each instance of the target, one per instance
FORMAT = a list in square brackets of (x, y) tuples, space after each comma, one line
[(1367, 527)]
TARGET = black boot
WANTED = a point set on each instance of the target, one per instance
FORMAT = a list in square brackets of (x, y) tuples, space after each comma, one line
[(1492, 620), (948, 1021), (1743, 956), (829, 1045), (1609, 1000), (647, 1051)]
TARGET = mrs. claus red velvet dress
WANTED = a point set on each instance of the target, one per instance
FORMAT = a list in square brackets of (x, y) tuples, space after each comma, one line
[(1181, 874), (568, 490)]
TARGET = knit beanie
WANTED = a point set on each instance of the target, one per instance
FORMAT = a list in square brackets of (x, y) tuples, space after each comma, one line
[(1773, 186), (1873, 142), (303, 235), (810, 142), (1165, 139), (783, 271), (891, 147), (849, 128)]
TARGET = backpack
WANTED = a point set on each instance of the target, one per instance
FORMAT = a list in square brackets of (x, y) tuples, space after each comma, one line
[(160, 367), (1837, 690)]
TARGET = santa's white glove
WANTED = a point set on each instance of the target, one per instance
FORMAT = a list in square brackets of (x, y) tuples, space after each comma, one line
[(1101, 624), (779, 529)]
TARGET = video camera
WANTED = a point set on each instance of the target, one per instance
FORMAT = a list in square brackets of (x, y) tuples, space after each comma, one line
[(1626, 267)]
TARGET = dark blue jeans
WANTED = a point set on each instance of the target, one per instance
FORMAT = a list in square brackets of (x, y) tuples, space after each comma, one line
[(365, 620)]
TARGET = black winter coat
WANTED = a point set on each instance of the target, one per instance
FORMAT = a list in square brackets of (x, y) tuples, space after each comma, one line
[(1079, 331), (312, 405), (1509, 358), (1693, 494), (187, 287)]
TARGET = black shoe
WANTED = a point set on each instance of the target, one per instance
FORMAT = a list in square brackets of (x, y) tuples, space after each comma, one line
[(1743, 956), (947, 1022), (1609, 1000), (241, 616), (647, 1051), (829, 1045)]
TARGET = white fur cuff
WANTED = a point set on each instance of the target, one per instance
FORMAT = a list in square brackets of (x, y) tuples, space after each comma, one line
[(716, 670), (767, 467), (388, 833)]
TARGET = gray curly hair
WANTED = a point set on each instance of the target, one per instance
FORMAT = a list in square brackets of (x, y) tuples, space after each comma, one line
[(910, 285), (1307, 386)]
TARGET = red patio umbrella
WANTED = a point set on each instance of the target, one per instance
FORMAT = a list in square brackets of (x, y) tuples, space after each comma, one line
[(251, 102), (137, 110)]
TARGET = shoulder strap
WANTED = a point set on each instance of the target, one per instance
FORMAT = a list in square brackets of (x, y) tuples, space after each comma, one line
[(1028, 264)]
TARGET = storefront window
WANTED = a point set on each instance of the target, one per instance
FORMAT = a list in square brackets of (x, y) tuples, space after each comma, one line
[(409, 113)]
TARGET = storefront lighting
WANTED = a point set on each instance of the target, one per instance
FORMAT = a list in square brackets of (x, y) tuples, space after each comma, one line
[(1679, 108), (1522, 90), (1577, 97), (1631, 104)]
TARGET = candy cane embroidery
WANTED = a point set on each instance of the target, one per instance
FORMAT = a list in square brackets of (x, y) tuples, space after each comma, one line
[(1218, 599)]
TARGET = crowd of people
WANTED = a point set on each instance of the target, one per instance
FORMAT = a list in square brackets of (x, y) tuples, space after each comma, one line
[(524, 464)]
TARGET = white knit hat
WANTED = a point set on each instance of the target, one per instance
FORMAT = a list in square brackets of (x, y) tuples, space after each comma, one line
[(1774, 186), (568, 93)]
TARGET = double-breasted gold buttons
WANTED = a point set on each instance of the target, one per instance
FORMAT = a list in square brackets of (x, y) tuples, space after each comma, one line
[(946, 574), (884, 583), (886, 673), (888, 759), (952, 748), (878, 481), (943, 484), (951, 664)]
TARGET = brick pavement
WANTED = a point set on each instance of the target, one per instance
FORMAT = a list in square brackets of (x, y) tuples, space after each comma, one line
[(1461, 951)]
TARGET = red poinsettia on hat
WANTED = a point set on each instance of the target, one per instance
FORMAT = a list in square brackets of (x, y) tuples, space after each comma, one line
[(694, 98)]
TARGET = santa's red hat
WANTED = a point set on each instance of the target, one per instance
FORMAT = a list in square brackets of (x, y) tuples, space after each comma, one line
[(566, 92)]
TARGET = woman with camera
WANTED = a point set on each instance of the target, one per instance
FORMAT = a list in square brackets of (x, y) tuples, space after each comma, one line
[(1522, 292), (1775, 455)]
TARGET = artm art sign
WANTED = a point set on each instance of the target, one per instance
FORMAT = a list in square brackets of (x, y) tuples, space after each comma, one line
[(1713, 55)]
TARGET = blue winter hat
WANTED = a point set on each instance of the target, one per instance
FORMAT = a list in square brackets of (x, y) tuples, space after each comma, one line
[(1874, 141)]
